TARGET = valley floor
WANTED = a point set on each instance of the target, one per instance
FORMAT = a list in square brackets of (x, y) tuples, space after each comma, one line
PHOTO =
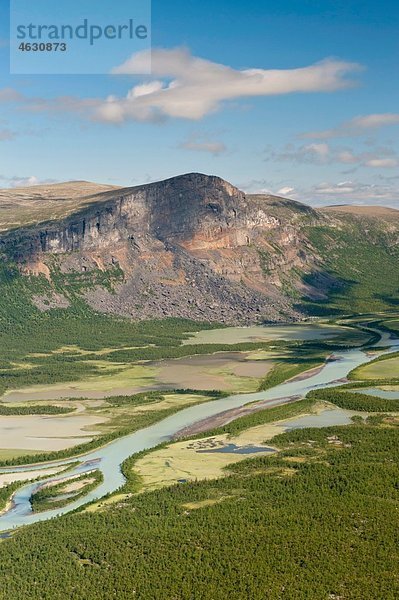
[(297, 501)]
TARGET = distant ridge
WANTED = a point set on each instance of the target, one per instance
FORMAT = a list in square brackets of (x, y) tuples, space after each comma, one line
[(373, 210)]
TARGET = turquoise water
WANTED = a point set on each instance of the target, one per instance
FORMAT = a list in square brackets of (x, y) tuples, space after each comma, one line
[(390, 394), (234, 449), (109, 458)]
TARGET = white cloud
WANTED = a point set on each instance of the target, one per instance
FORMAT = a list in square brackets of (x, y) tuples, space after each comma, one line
[(24, 181), (321, 150), (286, 191), (263, 186), (382, 163), (375, 121), (354, 192), (356, 126), (192, 87), (344, 187), (145, 89), (323, 153), (383, 193), (188, 87)]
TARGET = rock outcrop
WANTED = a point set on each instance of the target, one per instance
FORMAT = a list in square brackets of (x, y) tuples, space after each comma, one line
[(192, 246)]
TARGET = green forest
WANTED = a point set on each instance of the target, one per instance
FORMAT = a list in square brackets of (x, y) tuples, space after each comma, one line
[(322, 527)]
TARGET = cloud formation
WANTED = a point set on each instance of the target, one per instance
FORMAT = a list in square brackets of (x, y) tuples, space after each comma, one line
[(322, 153), (356, 126), (383, 191), (286, 191), (189, 87), (345, 192), (350, 191)]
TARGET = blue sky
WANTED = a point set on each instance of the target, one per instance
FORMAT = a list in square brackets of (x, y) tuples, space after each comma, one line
[(318, 121)]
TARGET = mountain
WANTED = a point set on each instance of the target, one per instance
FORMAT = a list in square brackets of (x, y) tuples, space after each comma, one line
[(195, 246)]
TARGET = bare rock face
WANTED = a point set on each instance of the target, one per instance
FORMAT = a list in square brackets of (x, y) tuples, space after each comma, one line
[(193, 246), (193, 210)]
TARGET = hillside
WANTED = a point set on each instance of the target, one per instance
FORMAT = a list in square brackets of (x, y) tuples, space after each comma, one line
[(196, 247), (30, 205)]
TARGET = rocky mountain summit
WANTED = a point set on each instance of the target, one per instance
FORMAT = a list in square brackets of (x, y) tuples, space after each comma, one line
[(192, 246)]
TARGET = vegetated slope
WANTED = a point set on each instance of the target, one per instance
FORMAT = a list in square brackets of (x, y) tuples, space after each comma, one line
[(20, 207), (196, 247), (361, 251)]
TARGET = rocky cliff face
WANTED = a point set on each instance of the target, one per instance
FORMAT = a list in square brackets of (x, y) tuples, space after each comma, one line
[(193, 210), (187, 246), (192, 246)]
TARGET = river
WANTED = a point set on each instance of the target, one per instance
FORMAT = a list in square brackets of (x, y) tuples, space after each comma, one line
[(109, 458)]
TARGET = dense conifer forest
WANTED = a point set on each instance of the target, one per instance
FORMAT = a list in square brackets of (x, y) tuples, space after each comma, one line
[(318, 520)]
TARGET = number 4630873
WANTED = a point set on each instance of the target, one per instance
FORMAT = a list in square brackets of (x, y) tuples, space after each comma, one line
[(42, 47)]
